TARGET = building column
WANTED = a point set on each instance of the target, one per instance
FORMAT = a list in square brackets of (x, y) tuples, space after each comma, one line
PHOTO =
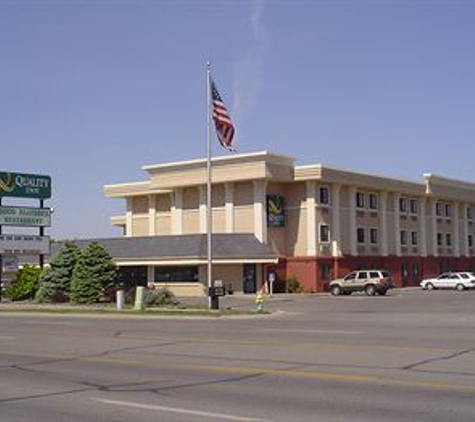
[(311, 218), (202, 208), (336, 220), (433, 221), (383, 218), (152, 215), (465, 247), (150, 275), (352, 218), (422, 228), (177, 211), (128, 217), (456, 228), (229, 206), (397, 225), (260, 220)]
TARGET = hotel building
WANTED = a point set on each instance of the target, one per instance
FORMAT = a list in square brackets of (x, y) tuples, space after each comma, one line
[(310, 222)]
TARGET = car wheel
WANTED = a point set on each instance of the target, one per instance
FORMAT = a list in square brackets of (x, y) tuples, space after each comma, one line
[(460, 287), (335, 290), (370, 290), (383, 292), (429, 286)]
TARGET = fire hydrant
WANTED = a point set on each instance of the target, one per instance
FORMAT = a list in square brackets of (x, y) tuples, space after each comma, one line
[(259, 302)]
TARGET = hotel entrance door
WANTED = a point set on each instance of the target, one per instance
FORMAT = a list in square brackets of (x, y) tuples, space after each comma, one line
[(249, 278)]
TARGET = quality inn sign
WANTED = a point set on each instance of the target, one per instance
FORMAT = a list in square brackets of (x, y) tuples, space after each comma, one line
[(23, 185)]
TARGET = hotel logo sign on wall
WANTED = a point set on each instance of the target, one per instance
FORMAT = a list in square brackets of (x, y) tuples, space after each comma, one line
[(23, 185), (275, 211)]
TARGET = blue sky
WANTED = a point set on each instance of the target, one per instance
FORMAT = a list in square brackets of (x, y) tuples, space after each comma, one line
[(93, 90)]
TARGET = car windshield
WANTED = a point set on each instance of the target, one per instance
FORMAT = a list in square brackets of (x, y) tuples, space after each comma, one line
[(350, 276)]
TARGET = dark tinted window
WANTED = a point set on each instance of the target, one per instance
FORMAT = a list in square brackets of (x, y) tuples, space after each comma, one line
[(176, 274), (362, 275)]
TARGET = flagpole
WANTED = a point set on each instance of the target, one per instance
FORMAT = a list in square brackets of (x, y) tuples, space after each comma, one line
[(209, 213)]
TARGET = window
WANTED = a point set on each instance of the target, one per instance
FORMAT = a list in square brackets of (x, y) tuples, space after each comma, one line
[(360, 235), (324, 233), (404, 271), (362, 275), (403, 237), (373, 201), (373, 274), (415, 270), (438, 209), (360, 200), (373, 236), (448, 239), (325, 271), (470, 213), (402, 204), (439, 239), (413, 206), (470, 241), (350, 277), (324, 195), (176, 274), (414, 239), (448, 210)]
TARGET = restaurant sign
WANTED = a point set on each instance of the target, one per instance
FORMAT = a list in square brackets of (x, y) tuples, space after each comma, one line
[(18, 244), (22, 185), (25, 216)]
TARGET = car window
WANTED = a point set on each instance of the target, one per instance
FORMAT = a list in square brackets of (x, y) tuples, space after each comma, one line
[(362, 275), (350, 276), (386, 274), (454, 276), (373, 274), (463, 275), (444, 276)]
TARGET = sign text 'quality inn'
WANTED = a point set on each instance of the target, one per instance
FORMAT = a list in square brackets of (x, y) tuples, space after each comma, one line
[(23, 185)]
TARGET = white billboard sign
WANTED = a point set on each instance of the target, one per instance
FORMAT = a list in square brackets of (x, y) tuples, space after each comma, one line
[(18, 244), (25, 216)]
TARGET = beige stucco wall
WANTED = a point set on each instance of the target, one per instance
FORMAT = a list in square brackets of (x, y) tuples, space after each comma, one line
[(296, 230), (244, 219), (164, 224), (191, 221), (140, 226)]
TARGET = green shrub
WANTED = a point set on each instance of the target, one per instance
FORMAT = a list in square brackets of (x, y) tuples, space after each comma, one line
[(293, 286), (26, 284), (160, 297)]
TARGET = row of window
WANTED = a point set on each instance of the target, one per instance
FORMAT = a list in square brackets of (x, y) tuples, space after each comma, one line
[(406, 205), (373, 236)]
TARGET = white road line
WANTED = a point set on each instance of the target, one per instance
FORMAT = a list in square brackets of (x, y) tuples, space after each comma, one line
[(180, 410), (6, 338), (292, 330)]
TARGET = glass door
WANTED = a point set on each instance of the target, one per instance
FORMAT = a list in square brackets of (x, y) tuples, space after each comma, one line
[(249, 278)]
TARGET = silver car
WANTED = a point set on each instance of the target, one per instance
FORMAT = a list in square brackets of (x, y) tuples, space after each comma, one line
[(369, 281)]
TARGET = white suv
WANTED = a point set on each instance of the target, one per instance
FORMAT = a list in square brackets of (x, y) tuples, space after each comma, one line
[(369, 281), (459, 281)]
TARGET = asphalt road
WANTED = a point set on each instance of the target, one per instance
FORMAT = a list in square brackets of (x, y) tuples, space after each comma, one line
[(409, 356)]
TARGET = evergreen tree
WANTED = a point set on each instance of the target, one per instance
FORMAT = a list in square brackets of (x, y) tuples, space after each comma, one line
[(95, 273), (55, 285), (48, 291)]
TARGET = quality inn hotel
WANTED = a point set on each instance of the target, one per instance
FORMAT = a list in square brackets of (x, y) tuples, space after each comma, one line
[(310, 222)]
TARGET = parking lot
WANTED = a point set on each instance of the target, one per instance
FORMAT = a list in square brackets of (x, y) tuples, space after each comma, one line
[(407, 356)]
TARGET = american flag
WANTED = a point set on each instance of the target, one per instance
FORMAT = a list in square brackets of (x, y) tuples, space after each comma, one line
[(222, 120)]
